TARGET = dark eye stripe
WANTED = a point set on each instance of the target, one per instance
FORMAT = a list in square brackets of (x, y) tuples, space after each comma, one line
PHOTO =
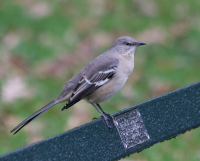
[(130, 44)]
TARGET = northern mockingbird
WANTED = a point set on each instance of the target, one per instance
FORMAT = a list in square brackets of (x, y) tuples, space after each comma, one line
[(98, 81)]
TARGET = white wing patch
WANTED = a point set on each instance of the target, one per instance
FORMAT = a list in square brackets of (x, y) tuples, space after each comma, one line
[(107, 71), (87, 80), (101, 82)]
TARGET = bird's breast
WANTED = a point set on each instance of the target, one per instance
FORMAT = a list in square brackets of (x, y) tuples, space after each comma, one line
[(126, 65)]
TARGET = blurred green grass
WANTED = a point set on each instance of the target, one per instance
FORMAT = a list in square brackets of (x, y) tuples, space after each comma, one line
[(43, 43)]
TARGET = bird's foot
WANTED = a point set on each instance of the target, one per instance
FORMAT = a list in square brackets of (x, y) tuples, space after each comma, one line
[(106, 119), (109, 115), (96, 118)]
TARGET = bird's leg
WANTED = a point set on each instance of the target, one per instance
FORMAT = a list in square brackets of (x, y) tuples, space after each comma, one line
[(102, 115), (95, 118), (105, 112), (102, 109)]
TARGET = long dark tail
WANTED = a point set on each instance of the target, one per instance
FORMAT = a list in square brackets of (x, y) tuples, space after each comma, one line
[(32, 117)]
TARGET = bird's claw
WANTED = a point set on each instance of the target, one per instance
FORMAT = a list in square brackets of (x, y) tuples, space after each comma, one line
[(109, 115), (106, 119), (96, 118)]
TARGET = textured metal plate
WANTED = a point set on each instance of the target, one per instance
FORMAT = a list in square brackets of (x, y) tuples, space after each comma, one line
[(131, 128)]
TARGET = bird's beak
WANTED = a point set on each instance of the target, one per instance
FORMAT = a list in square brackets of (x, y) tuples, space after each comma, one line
[(140, 43)]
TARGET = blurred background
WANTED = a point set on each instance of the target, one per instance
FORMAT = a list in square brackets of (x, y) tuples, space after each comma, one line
[(44, 43)]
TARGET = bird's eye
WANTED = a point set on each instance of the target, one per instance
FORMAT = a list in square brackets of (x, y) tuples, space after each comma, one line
[(128, 44)]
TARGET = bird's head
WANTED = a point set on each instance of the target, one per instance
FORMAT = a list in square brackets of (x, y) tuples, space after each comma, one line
[(126, 45)]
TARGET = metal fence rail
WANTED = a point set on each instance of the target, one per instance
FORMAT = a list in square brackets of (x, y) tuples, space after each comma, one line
[(135, 129)]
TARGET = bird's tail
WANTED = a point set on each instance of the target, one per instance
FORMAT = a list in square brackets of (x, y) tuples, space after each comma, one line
[(32, 117)]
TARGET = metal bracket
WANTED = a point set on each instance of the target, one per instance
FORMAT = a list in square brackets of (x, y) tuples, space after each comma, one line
[(131, 128)]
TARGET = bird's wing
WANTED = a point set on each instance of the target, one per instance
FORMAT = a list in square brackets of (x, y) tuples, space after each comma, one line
[(96, 76)]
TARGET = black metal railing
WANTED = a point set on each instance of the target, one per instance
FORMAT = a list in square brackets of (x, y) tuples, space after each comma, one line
[(135, 129)]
